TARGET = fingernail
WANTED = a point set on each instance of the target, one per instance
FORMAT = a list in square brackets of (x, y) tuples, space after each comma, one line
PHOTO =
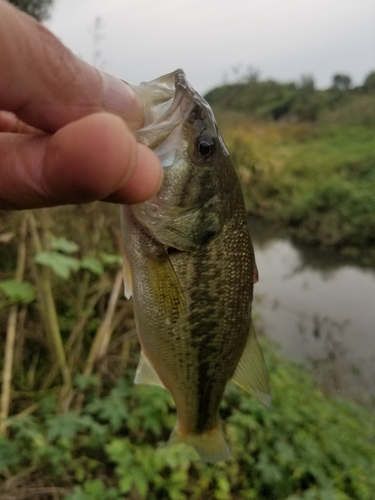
[(120, 99)]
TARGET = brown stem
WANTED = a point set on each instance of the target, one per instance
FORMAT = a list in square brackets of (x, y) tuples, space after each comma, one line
[(103, 335), (11, 335), (48, 309)]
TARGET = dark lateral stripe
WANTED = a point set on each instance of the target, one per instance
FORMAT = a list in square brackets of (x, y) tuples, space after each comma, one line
[(204, 324)]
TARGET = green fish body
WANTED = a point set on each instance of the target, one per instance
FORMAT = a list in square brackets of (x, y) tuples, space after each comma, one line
[(189, 264)]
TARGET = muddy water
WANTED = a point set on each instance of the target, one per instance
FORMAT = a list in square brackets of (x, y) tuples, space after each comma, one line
[(319, 308)]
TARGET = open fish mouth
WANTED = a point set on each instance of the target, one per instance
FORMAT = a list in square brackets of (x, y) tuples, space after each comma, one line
[(168, 101)]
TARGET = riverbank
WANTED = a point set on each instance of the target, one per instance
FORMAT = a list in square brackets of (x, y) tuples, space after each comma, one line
[(317, 180)]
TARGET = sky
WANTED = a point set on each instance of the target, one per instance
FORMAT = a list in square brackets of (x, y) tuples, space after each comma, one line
[(219, 40)]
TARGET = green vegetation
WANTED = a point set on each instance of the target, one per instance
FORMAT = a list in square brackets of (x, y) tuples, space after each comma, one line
[(40, 9), (307, 446), (73, 425), (311, 167)]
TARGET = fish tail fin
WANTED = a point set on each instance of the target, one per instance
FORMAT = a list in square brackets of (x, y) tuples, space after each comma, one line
[(211, 446)]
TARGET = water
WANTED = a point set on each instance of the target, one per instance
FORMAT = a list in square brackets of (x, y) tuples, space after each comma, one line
[(319, 308)]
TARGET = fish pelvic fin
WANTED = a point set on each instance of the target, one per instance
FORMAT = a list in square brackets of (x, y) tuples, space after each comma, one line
[(251, 373), (211, 446)]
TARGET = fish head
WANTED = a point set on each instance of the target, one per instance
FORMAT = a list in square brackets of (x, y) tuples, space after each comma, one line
[(192, 203)]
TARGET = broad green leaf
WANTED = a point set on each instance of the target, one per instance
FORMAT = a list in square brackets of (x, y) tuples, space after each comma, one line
[(63, 245), (61, 265), (18, 291), (110, 258), (92, 265)]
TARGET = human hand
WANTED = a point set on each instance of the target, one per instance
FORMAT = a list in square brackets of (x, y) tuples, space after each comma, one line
[(60, 139)]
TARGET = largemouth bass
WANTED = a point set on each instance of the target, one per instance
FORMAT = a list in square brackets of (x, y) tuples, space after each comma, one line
[(189, 264)]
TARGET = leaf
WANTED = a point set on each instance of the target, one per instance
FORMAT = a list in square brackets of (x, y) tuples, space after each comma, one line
[(110, 258), (18, 291), (82, 381), (63, 245), (92, 265), (66, 426), (61, 265), (95, 488), (9, 454), (126, 483), (112, 409), (140, 481)]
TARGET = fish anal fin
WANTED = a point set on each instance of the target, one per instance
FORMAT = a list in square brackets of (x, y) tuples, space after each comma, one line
[(250, 373), (146, 374), (128, 285), (211, 446)]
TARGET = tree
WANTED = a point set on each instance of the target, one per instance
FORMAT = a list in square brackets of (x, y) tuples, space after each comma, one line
[(341, 82), (306, 105), (369, 82), (40, 9)]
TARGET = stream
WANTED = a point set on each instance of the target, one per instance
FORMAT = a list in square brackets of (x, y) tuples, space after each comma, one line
[(319, 308)]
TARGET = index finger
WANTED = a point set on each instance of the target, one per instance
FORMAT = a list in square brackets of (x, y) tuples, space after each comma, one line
[(46, 85)]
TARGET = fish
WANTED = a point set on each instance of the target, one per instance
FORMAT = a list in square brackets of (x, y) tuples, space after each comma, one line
[(189, 265)]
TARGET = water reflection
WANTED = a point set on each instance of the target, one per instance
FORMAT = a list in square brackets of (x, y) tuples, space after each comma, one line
[(320, 308)]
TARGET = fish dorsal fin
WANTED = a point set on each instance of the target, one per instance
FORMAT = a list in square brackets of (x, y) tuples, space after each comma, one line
[(251, 373), (145, 373), (128, 285)]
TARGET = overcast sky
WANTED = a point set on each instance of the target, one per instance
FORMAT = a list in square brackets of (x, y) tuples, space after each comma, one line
[(282, 39)]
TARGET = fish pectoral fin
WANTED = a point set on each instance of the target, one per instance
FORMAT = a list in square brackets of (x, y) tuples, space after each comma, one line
[(145, 373), (128, 284), (251, 373), (167, 289)]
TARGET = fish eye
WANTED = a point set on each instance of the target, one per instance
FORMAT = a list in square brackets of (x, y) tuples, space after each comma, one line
[(205, 147)]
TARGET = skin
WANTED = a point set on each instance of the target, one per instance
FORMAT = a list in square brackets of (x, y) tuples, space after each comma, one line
[(66, 129)]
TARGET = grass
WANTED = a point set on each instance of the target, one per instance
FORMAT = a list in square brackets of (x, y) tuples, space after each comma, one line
[(316, 179)]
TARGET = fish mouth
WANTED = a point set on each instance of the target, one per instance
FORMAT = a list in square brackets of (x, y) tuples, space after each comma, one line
[(181, 83), (168, 102)]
